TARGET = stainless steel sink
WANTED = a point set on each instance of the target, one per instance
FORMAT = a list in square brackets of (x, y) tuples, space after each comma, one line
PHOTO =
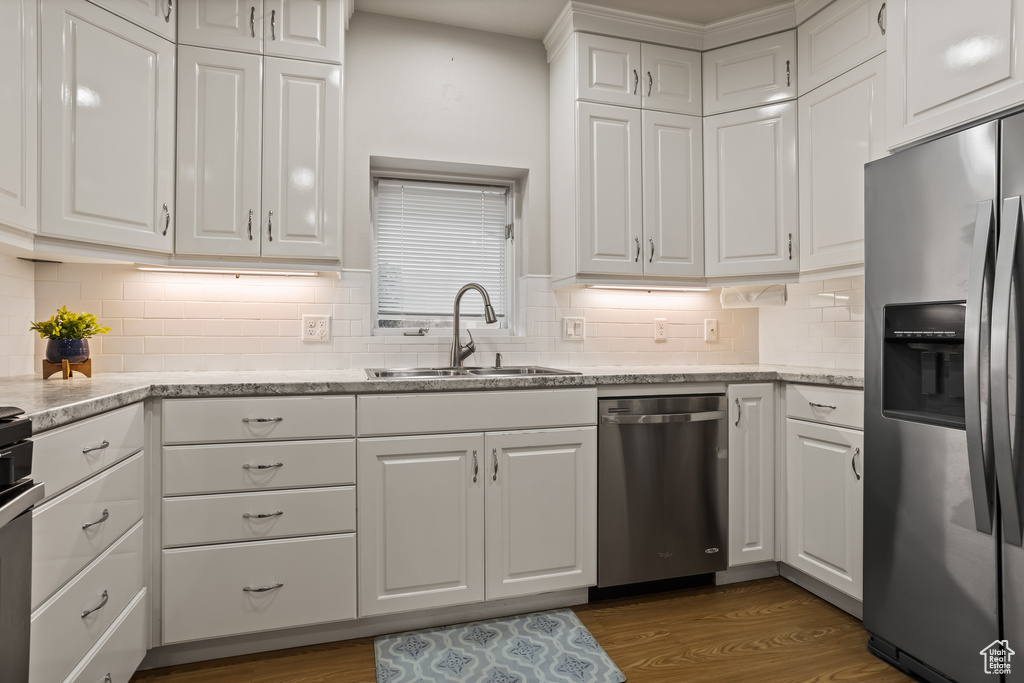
[(435, 373)]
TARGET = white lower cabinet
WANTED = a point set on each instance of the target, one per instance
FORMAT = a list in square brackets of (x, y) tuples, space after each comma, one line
[(825, 502), (751, 473), (116, 656)]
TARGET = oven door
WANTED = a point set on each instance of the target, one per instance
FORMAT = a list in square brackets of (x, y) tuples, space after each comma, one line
[(16, 583)]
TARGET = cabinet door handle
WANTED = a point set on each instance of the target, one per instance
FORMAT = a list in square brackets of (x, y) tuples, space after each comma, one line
[(250, 225), (853, 463), (270, 225), (476, 466), (790, 246), (262, 589), (273, 24), (262, 419), (252, 21), (881, 24), (262, 515), (167, 218), (787, 74), (651, 259), (271, 466), (108, 679), (739, 412), (170, 6), (90, 449), (636, 80), (104, 517), (650, 83), (637, 259), (827, 406), (104, 597), (494, 454)]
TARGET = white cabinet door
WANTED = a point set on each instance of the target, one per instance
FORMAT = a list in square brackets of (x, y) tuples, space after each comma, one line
[(225, 24), (750, 192), (420, 502), (608, 70), (824, 503), (304, 29), (673, 192), (159, 16), (838, 38), (19, 162), (541, 511), (609, 193), (219, 134), (301, 159), (751, 473), (671, 79), (842, 127), (107, 129), (951, 62), (747, 74)]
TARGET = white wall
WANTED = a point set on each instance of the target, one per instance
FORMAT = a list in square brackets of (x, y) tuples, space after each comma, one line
[(423, 91), (17, 311)]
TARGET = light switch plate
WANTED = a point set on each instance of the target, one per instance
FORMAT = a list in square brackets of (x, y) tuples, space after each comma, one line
[(573, 329), (316, 328)]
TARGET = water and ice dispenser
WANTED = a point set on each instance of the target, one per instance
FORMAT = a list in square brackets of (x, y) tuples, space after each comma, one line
[(923, 363)]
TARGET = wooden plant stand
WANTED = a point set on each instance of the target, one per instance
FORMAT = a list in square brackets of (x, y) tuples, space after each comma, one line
[(66, 368)]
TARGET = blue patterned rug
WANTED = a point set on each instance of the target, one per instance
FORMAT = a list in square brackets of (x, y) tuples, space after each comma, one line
[(544, 647)]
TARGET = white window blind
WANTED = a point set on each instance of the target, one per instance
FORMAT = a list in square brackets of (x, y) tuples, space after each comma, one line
[(433, 238)]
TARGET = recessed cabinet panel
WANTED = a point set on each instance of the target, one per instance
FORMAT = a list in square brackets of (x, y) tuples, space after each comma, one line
[(159, 16), (838, 38), (671, 79), (219, 131), (301, 159), (610, 210), (107, 129), (751, 473), (225, 24), (750, 192), (751, 73), (608, 70), (304, 29), (19, 162), (673, 195)]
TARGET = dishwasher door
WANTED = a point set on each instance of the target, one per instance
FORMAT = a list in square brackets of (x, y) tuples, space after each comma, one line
[(662, 468)]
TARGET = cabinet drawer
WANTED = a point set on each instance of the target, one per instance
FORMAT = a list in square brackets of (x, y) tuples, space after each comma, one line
[(60, 546), (826, 404), (63, 457), (258, 466), (475, 411), (61, 636), (192, 520), (208, 420), (204, 596), (121, 649)]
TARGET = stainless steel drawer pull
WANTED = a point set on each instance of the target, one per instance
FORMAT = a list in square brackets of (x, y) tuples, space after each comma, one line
[(651, 241), (636, 80), (270, 225), (476, 467), (170, 6), (650, 83), (273, 24), (821, 405), (262, 419), (103, 603), (881, 24), (637, 259), (739, 412), (90, 449), (262, 589), (250, 224), (271, 466), (788, 82), (167, 218), (263, 515), (853, 463), (494, 453), (104, 517), (252, 21)]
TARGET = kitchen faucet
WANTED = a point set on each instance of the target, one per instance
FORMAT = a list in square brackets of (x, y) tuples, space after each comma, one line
[(459, 352)]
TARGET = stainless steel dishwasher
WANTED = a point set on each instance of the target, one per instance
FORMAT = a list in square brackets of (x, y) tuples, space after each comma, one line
[(662, 477)]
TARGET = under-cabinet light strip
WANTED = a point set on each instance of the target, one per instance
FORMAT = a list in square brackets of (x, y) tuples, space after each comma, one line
[(642, 288), (219, 271)]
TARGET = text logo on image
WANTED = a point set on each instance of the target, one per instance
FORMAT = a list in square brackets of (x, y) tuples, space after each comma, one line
[(997, 657)]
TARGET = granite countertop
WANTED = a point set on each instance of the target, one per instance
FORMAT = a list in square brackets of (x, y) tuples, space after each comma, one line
[(55, 402)]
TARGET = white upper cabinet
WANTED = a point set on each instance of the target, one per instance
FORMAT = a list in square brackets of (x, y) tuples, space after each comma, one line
[(838, 38), (750, 192), (107, 129), (19, 162), (301, 29), (842, 127), (751, 473), (951, 62), (159, 16), (749, 74), (220, 129), (670, 79)]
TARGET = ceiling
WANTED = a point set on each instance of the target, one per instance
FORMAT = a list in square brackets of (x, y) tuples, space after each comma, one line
[(533, 18)]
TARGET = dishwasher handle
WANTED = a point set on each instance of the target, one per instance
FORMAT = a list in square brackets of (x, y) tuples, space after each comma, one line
[(662, 419)]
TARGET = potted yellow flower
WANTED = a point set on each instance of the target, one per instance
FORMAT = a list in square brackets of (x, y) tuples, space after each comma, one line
[(68, 335)]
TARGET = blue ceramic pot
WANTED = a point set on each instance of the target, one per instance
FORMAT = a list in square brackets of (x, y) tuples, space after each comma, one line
[(74, 350)]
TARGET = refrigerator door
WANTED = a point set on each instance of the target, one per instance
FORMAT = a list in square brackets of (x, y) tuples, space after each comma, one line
[(930, 577)]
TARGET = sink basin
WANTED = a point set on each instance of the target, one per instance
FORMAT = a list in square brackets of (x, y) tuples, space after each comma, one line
[(435, 373)]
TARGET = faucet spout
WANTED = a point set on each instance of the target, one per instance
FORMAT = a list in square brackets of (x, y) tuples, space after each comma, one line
[(459, 352)]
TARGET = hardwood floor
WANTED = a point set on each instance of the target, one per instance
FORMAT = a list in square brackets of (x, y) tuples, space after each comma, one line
[(765, 631)]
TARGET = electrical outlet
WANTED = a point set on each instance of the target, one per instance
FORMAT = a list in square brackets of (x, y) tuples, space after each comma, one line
[(573, 328), (661, 329), (710, 330), (316, 328)]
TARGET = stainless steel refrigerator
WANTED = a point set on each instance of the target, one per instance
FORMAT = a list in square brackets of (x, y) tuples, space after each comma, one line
[(944, 265)]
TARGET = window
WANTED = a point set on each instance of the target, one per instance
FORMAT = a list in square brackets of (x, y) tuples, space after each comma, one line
[(434, 237)]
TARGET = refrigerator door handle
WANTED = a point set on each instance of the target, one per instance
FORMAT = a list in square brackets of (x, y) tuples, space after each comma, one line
[(999, 367), (979, 431)]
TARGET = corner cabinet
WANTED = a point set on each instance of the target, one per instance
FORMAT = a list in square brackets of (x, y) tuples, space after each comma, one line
[(158, 16), (19, 163), (751, 473), (107, 129), (752, 73)]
